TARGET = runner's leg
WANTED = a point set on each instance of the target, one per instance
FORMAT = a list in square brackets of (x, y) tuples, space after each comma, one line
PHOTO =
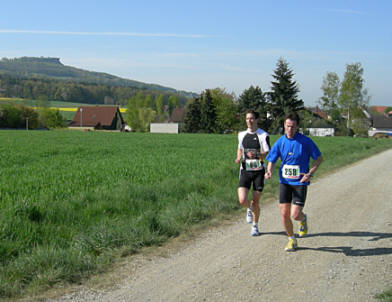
[(286, 219), (243, 197), (296, 212), (256, 206)]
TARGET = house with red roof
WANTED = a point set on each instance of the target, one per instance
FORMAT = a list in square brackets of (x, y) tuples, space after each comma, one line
[(98, 118)]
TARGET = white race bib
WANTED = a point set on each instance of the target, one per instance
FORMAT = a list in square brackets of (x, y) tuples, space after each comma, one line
[(291, 171), (253, 165)]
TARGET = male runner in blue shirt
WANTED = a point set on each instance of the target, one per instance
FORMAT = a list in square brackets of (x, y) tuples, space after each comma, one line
[(295, 151)]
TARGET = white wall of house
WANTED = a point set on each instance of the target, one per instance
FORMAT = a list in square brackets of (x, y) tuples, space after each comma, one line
[(321, 131), (164, 128)]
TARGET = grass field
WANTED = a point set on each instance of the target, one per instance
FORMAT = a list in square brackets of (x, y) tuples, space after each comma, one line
[(71, 202), (386, 296)]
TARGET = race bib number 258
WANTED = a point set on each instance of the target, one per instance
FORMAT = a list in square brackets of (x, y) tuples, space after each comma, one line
[(291, 171)]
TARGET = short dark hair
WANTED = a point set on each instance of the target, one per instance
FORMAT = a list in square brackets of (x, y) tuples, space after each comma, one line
[(251, 111), (292, 116)]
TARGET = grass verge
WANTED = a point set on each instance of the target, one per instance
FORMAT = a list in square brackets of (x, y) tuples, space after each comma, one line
[(385, 296)]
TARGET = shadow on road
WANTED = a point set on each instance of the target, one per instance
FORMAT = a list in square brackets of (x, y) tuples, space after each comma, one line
[(375, 236), (346, 250), (349, 251)]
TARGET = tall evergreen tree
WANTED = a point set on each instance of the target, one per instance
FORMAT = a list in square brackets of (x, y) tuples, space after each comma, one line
[(207, 113), (253, 98), (192, 116), (283, 97)]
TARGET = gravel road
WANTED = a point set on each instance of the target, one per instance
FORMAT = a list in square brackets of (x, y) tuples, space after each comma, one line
[(347, 255)]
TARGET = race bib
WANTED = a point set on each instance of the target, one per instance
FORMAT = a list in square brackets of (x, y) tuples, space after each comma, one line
[(253, 165), (291, 171)]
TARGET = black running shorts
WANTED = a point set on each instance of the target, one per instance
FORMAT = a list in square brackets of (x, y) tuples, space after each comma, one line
[(249, 178), (292, 194)]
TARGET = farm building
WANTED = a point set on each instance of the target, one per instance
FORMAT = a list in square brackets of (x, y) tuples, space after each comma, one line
[(318, 124), (98, 118), (173, 126), (164, 128), (381, 124)]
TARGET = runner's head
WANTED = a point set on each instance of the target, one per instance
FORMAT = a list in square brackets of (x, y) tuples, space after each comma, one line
[(251, 117), (291, 123)]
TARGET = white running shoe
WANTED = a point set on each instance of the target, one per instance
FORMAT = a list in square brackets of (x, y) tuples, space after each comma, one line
[(255, 231), (249, 215)]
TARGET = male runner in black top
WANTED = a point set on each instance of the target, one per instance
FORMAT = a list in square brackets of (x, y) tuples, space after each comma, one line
[(253, 147)]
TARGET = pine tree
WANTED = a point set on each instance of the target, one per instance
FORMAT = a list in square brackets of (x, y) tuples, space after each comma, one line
[(253, 98), (192, 116), (207, 113), (283, 97)]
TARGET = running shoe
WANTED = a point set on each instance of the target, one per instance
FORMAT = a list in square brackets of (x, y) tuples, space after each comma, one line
[(291, 245), (255, 231), (303, 227), (249, 216)]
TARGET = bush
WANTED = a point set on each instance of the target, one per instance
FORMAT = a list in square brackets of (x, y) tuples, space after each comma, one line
[(18, 116), (52, 118)]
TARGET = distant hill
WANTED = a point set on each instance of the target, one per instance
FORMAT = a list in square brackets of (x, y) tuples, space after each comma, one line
[(52, 68)]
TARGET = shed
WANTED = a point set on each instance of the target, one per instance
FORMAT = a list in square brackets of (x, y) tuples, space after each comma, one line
[(381, 124), (98, 117)]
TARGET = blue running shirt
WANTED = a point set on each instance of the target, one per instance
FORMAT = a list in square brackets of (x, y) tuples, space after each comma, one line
[(295, 153)]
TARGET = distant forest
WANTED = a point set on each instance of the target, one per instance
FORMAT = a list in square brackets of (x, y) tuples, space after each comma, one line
[(48, 79), (66, 91)]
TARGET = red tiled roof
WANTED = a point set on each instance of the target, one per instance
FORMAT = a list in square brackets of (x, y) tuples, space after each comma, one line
[(380, 109), (94, 115), (321, 114)]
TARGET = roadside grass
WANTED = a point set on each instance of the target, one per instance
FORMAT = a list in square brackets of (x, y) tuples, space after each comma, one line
[(72, 202), (385, 296)]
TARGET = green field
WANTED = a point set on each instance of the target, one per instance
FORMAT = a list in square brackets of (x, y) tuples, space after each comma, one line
[(71, 202), (38, 103)]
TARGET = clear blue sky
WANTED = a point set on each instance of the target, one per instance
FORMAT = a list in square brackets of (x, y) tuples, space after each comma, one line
[(195, 45)]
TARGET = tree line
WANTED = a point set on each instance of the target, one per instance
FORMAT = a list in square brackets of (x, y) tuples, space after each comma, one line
[(346, 98), (24, 117), (143, 110), (68, 91), (217, 111), (213, 111)]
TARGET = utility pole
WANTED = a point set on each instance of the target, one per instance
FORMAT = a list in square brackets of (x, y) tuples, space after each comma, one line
[(81, 117)]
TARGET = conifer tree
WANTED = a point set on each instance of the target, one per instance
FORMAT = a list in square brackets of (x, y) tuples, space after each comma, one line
[(207, 113), (283, 97), (192, 116), (253, 98)]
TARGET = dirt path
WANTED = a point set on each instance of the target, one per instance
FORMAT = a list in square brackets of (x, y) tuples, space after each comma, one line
[(346, 257)]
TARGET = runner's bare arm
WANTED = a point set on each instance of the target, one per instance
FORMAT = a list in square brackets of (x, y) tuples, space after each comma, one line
[(263, 155), (270, 168), (312, 170), (239, 156)]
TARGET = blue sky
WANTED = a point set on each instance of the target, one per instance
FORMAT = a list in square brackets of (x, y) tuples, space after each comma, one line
[(195, 45)]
